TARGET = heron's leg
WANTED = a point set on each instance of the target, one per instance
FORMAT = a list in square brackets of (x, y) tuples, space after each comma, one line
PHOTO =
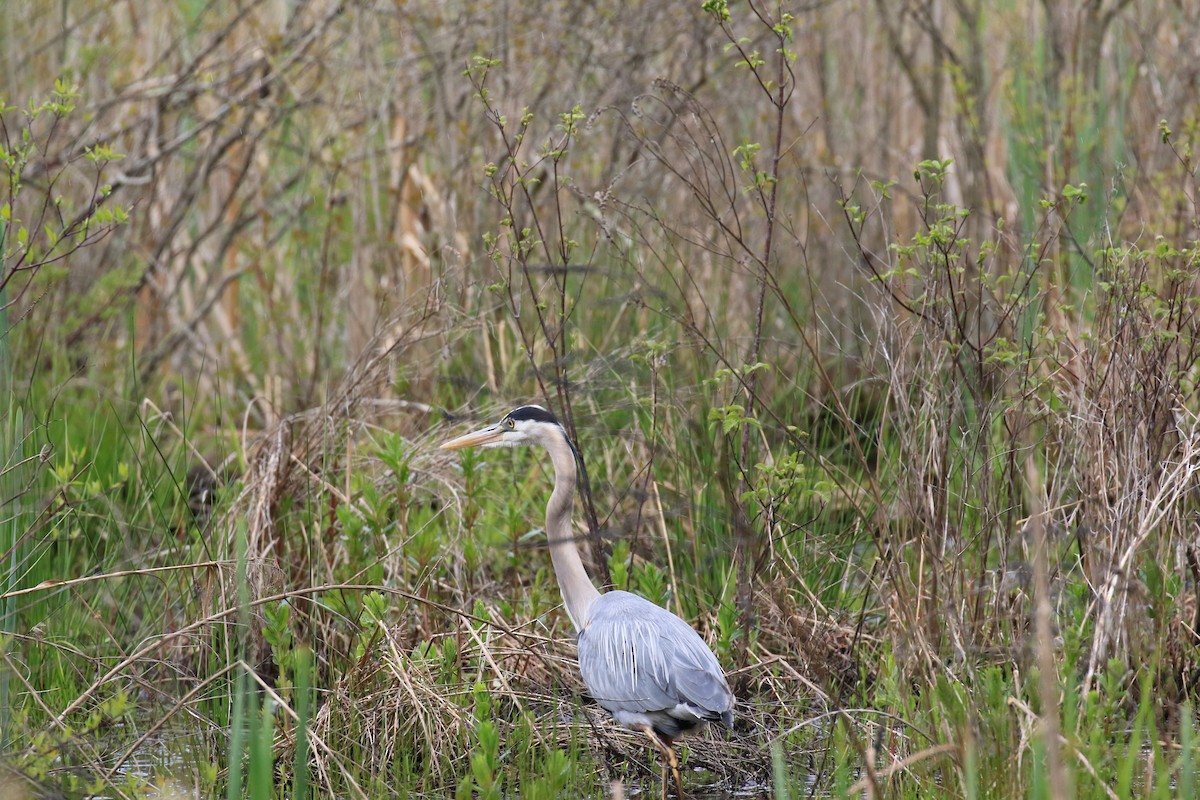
[(674, 762), (667, 752)]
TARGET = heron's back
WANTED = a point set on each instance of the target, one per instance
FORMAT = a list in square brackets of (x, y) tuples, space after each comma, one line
[(646, 666)]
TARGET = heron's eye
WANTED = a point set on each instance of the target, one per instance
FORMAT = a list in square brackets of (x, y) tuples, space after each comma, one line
[(508, 423)]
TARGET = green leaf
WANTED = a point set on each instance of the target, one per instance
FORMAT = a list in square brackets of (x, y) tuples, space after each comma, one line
[(719, 9)]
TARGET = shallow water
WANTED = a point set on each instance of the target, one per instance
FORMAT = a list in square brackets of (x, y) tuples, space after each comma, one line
[(168, 765)]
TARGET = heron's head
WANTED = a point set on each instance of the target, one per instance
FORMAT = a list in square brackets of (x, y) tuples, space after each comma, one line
[(524, 425)]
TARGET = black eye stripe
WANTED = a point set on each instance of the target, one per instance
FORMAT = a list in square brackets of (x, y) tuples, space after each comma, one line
[(533, 413)]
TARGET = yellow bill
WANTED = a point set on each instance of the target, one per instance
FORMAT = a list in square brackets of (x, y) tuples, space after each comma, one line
[(481, 438)]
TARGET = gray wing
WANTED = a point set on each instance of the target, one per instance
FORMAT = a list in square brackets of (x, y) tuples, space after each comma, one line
[(639, 659)]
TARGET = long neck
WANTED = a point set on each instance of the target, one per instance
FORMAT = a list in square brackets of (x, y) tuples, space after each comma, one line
[(578, 593)]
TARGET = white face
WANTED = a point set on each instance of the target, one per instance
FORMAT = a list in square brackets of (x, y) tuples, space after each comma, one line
[(513, 433), (505, 433)]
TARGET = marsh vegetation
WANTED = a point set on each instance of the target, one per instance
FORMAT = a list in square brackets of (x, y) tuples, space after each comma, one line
[(875, 323)]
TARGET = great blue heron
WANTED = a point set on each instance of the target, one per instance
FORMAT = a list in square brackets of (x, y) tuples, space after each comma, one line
[(640, 662)]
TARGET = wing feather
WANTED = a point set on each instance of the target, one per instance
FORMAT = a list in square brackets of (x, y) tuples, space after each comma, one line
[(636, 657)]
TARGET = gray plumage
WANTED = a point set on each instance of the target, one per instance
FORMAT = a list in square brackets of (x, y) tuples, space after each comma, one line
[(641, 663), (646, 666)]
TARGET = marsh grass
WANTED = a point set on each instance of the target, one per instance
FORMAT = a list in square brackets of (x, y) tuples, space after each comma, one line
[(894, 401)]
